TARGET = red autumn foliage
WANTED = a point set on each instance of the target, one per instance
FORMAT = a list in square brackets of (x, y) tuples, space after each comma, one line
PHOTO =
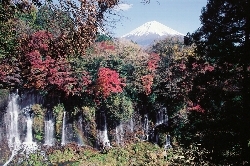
[(197, 108), (182, 66), (106, 46), (153, 61), (40, 41), (208, 67), (147, 82), (202, 67), (9, 74), (108, 82), (47, 69), (194, 65)]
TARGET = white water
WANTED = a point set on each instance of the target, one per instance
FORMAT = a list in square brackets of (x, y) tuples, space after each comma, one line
[(103, 134), (145, 126), (165, 115), (161, 116), (12, 123), (167, 145), (29, 146), (104, 138), (119, 134), (131, 125), (63, 129), (49, 132), (12, 131), (28, 138), (80, 133)]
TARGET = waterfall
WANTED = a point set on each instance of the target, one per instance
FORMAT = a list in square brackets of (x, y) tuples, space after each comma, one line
[(145, 126), (131, 125), (28, 138), (11, 120), (165, 116), (29, 146), (119, 134), (167, 145), (161, 116), (80, 133), (103, 133), (49, 132), (63, 129), (13, 136)]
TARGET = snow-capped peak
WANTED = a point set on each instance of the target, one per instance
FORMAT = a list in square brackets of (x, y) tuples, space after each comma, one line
[(152, 27)]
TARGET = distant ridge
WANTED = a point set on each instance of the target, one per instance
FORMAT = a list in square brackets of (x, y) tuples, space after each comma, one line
[(145, 34)]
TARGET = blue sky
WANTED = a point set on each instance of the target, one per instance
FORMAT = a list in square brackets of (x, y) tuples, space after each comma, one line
[(180, 15)]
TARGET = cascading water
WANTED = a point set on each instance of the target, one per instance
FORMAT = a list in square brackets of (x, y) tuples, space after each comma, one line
[(19, 118), (103, 133), (165, 116), (131, 125), (49, 132), (63, 129), (167, 145), (80, 133), (29, 146), (11, 120), (145, 126), (13, 135), (119, 134), (161, 116), (28, 138)]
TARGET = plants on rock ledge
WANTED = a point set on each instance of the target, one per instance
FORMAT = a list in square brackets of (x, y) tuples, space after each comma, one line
[(38, 121), (119, 107), (58, 113)]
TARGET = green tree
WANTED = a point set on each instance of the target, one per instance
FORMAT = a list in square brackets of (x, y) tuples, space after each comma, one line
[(223, 40)]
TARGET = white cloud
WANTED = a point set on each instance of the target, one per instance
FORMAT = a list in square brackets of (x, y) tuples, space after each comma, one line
[(123, 6)]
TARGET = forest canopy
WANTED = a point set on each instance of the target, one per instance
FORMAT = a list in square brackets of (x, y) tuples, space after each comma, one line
[(57, 49)]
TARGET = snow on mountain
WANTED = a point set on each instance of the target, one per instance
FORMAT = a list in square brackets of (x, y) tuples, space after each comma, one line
[(150, 31)]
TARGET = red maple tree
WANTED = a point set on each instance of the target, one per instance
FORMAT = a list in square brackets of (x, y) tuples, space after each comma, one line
[(108, 82), (153, 61), (49, 68)]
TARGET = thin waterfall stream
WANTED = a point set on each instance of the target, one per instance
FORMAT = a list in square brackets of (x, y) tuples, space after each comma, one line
[(63, 129), (49, 132), (13, 136)]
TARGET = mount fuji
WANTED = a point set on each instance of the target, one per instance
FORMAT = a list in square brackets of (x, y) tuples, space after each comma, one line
[(145, 34)]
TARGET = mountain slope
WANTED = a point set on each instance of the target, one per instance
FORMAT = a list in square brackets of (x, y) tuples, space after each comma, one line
[(150, 31)]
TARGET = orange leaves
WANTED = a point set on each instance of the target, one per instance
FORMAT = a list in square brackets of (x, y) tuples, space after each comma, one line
[(147, 82)]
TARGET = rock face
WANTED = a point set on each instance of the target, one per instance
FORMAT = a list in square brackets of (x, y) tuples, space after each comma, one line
[(149, 32)]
